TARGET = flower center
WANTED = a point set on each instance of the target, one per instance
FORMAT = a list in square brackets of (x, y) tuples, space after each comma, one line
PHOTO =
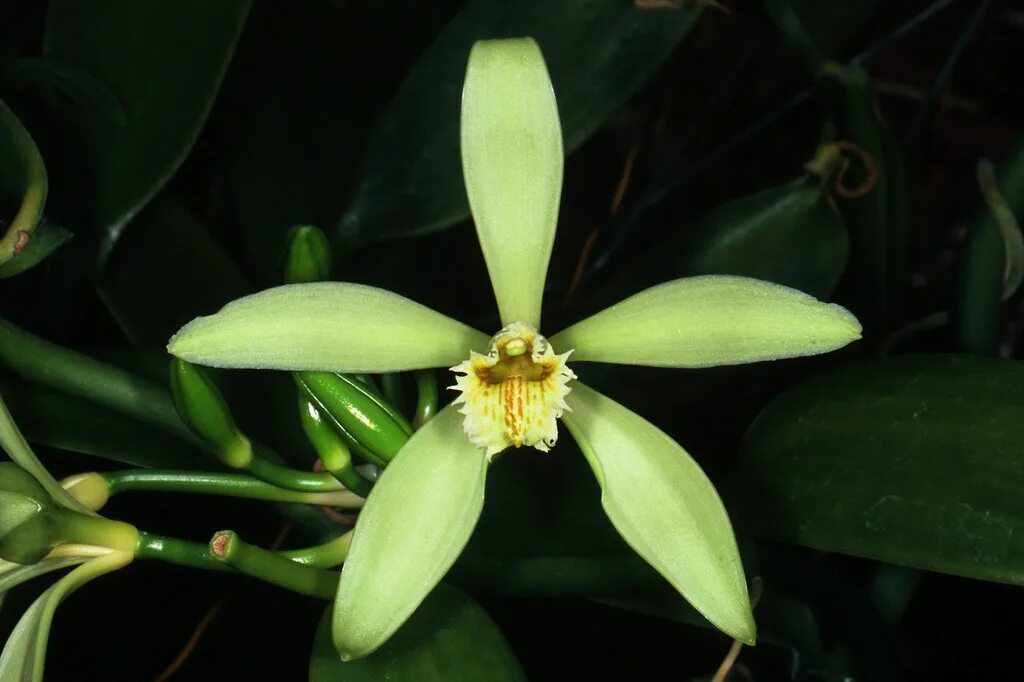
[(515, 394)]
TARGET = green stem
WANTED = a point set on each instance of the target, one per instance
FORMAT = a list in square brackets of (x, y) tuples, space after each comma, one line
[(330, 554), (195, 555), (426, 397), (179, 552), (228, 485), (274, 568), (292, 479), (41, 362), (95, 530), (34, 186)]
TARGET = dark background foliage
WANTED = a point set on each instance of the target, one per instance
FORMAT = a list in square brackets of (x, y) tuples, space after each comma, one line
[(877, 500)]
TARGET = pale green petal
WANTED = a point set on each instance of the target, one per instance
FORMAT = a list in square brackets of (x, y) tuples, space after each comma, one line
[(416, 521), (326, 326), (707, 321), (664, 506), (512, 163), (24, 654)]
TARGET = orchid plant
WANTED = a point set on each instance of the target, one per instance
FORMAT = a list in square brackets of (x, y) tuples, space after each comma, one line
[(515, 386)]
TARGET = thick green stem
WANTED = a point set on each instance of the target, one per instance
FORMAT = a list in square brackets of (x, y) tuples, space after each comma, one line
[(175, 551), (274, 568), (229, 485), (293, 479)]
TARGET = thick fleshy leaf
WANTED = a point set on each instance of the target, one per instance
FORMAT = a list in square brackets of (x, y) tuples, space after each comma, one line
[(115, 166), (664, 506), (707, 321), (914, 460), (791, 235), (164, 238), (414, 525), (512, 162), (449, 639), (24, 654), (326, 326)]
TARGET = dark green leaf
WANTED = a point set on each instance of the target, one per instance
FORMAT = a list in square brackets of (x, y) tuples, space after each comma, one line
[(412, 179), (47, 238), (58, 420), (164, 62), (791, 235), (166, 271), (913, 460), (450, 638)]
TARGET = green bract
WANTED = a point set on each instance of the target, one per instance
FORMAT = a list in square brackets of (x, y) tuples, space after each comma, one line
[(425, 505)]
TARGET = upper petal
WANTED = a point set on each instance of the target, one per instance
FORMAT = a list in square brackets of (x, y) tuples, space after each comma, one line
[(416, 521), (512, 163), (710, 320), (664, 506), (326, 326)]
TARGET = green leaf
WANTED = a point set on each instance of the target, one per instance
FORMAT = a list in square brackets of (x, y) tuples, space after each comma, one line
[(665, 507), (24, 654), (913, 460), (790, 235), (411, 182), (450, 638), (47, 238), (710, 320), (414, 525), (512, 162), (165, 73), (23, 184), (326, 326), (143, 283), (58, 420), (18, 450), (38, 361)]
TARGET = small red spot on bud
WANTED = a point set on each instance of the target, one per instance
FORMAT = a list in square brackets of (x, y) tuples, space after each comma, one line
[(22, 242)]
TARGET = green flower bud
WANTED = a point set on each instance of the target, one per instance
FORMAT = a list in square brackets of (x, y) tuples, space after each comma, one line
[(331, 448), (309, 255), (29, 523), (358, 412), (202, 407)]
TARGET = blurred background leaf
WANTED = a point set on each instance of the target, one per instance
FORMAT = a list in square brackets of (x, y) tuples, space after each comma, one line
[(912, 460), (411, 181), (164, 75), (450, 638)]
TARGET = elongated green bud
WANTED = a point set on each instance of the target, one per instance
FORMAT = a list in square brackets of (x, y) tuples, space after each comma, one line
[(331, 448), (202, 407), (358, 411), (309, 256)]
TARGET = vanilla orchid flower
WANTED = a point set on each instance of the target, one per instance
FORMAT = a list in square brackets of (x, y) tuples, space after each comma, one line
[(515, 386)]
